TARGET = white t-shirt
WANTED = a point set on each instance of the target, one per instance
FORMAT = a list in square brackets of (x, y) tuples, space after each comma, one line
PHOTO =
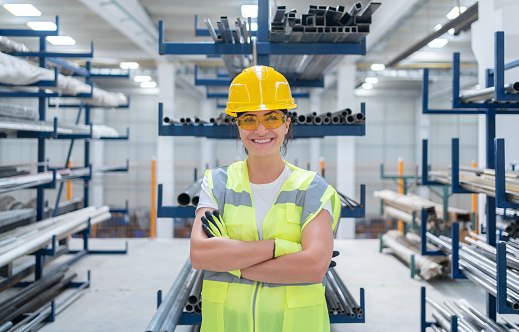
[(263, 196)]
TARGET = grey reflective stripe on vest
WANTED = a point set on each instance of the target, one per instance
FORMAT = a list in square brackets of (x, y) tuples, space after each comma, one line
[(232, 279), (219, 181), (224, 195), (296, 196), (313, 195), (226, 277)]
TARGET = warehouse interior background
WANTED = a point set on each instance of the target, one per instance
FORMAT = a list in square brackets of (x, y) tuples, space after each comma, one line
[(401, 42)]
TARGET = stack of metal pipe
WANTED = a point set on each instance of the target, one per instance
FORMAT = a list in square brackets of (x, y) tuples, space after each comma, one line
[(320, 24), (477, 260), (241, 34), (191, 195), (27, 239), (487, 94), (470, 319), (338, 299)]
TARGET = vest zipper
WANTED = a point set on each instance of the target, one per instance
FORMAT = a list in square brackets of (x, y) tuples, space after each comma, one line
[(254, 307)]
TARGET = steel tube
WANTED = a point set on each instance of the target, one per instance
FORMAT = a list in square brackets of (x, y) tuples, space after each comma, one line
[(194, 295), (185, 197), (487, 93), (175, 311), (167, 302)]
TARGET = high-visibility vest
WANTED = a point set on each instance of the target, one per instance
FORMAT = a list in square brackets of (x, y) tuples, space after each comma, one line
[(232, 304)]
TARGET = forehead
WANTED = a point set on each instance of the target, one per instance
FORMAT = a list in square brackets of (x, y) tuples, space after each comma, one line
[(260, 113)]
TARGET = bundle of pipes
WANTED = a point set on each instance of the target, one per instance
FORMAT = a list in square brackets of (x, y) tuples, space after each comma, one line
[(338, 299), (6, 171), (320, 24), (340, 117), (241, 34), (221, 119), (194, 301), (477, 260), (191, 195), (345, 200), (19, 217), (481, 181), (470, 319), (430, 267), (487, 95), (27, 239)]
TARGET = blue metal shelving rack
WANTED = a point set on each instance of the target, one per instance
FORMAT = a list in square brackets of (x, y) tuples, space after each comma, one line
[(505, 104), (41, 136)]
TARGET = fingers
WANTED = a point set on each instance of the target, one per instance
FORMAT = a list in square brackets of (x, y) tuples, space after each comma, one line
[(207, 231), (336, 253), (210, 217), (333, 264), (216, 213)]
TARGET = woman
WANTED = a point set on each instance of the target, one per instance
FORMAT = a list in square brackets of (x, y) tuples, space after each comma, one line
[(263, 227)]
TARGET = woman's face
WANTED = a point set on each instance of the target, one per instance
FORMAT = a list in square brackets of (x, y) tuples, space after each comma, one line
[(262, 141)]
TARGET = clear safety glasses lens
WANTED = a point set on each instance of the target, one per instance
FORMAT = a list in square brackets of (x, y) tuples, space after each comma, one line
[(270, 121)]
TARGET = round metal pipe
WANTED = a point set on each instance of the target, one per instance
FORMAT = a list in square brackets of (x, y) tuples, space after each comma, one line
[(185, 197), (167, 302), (487, 94)]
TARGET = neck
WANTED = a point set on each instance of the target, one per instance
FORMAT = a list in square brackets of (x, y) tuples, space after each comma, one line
[(264, 169)]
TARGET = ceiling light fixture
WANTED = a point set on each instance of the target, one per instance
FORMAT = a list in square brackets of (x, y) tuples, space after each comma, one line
[(148, 84), (438, 43), (249, 11), (142, 78), (455, 12), (61, 40), (377, 67), (42, 26), (129, 65), (371, 80), (22, 9), (437, 27), (254, 26), (367, 86)]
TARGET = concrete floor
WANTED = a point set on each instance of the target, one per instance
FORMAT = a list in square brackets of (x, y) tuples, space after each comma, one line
[(124, 287)]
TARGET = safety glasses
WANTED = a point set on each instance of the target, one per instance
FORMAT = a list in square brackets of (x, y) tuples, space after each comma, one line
[(270, 121)]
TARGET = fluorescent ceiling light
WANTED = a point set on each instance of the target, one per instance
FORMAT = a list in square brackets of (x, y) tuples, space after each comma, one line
[(129, 65), (437, 27), (438, 43), (367, 86), (61, 40), (455, 12), (253, 26), (378, 66), (47, 26), (148, 84), (371, 80), (22, 9), (142, 78), (249, 11)]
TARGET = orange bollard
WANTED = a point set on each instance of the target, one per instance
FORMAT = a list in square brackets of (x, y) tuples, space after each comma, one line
[(475, 205), (400, 189), (69, 184)]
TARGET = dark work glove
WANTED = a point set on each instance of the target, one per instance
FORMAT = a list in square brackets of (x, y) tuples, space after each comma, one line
[(335, 254)]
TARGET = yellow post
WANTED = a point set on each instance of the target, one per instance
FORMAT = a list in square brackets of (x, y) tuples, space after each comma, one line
[(321, 164), (69, 184), (153, 212), (400, 189), (475, 205)]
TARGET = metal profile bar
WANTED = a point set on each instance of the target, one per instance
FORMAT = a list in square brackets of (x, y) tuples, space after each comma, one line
[(65, 64)]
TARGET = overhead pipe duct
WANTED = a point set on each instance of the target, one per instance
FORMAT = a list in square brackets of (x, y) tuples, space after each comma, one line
[(466, 18)]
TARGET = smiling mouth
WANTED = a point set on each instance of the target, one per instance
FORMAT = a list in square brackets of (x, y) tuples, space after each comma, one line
[(262, 141)]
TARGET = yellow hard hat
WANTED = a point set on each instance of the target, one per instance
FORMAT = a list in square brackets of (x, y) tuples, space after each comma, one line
[(259, 88)]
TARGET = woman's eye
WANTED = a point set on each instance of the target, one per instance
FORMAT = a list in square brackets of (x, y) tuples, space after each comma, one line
[(249, 120), (272, 118)]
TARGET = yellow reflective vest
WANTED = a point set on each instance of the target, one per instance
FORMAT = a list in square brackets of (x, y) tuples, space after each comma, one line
[(232, 304)]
